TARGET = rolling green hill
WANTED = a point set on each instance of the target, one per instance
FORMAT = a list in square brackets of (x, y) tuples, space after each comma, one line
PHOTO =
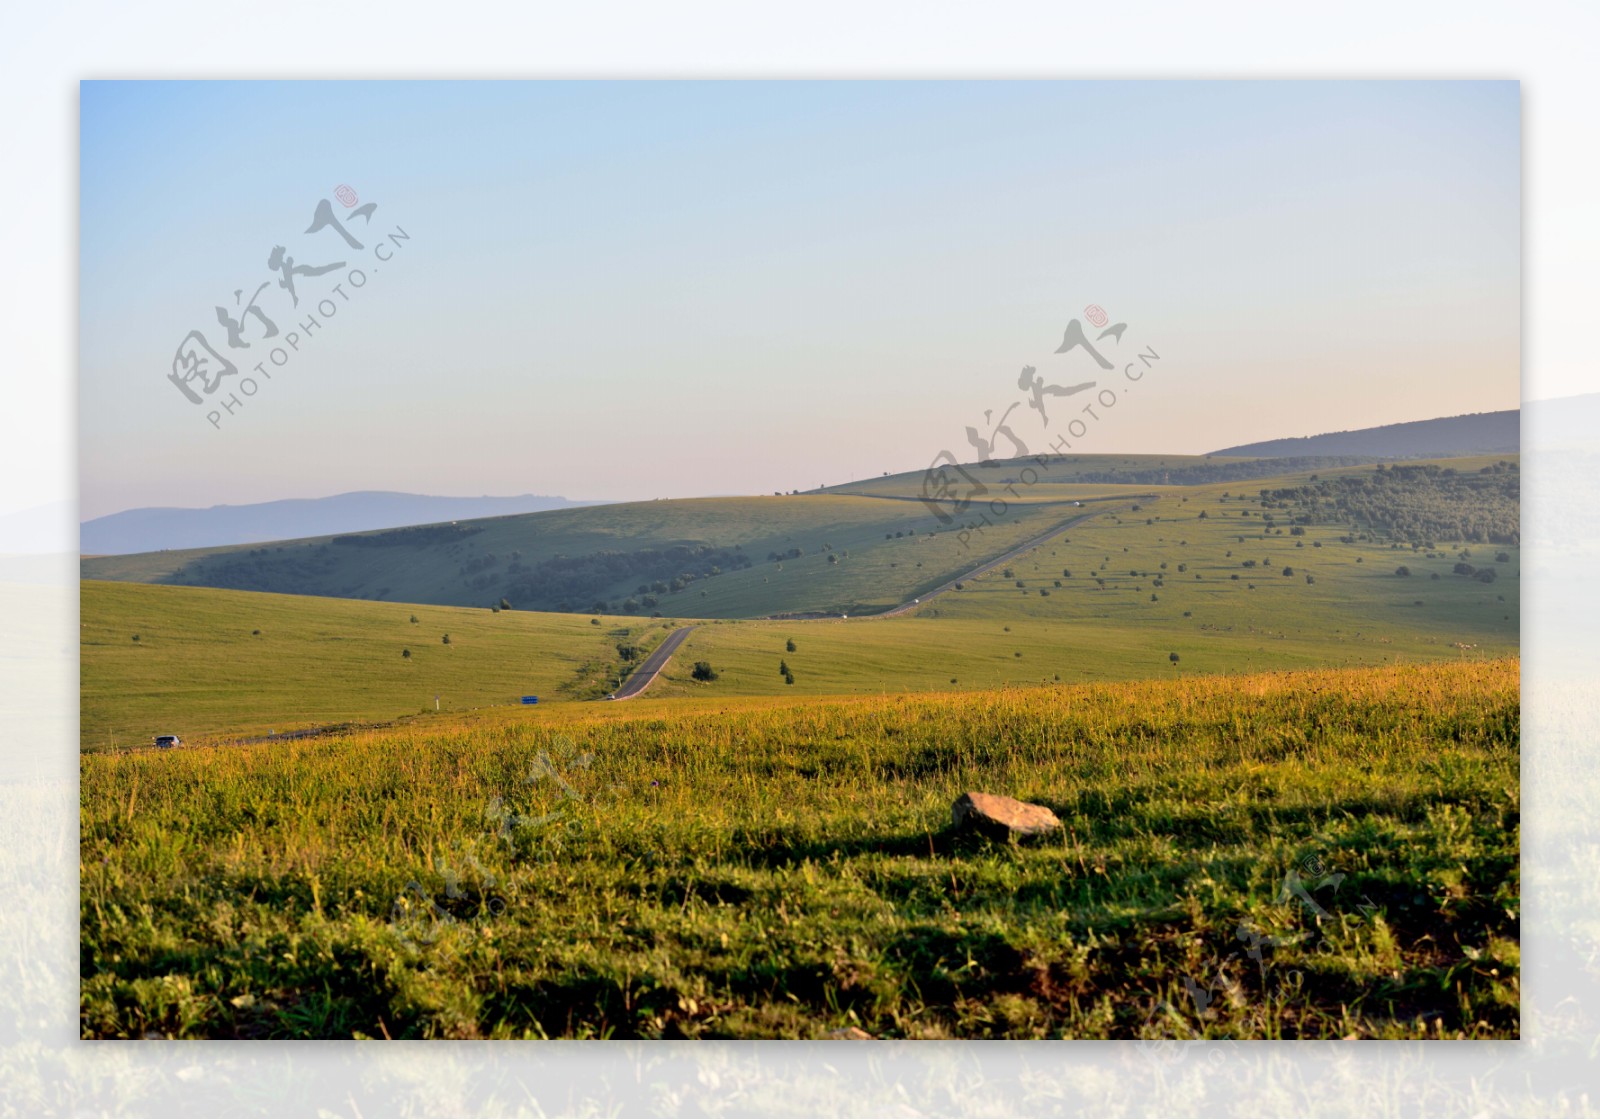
[(202, 663), (859, 549), (1228, 580), (708, 557)]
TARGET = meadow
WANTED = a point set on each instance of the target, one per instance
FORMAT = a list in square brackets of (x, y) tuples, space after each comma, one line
[(707, 557), (208, 664), (1328, 854), (1199, 573), (1226, 580), (1279, 721), (862, 552)]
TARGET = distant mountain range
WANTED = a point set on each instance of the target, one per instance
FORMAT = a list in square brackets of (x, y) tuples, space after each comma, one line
[(147, 530), (1480, 433)]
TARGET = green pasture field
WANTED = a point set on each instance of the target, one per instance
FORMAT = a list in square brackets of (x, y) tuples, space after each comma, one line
[(1313, 854)]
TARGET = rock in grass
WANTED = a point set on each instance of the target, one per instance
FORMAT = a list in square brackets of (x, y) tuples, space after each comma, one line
[(1002, 816), (848, 1034)]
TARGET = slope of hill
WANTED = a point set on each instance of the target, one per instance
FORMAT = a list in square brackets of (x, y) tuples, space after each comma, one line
[(816, 553), (706, 557), (1227, 581), (147, 530), (1480, 433), (199, 662), (1358, 567)]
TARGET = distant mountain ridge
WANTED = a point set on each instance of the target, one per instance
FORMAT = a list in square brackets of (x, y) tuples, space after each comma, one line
[(154, 528), (1478, 433)]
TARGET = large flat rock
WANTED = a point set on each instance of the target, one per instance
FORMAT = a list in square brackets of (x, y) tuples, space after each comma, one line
[(997, 815)]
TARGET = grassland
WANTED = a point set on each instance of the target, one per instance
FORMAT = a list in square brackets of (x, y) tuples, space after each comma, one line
[(859, 552), (203, 663), (1313, 854), (1325, 849), (1199, 572), (836, 553)]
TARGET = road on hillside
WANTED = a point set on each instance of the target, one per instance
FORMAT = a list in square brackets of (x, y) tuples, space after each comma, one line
[(987, 566), (652, 665), (646, 673), (999, 561)]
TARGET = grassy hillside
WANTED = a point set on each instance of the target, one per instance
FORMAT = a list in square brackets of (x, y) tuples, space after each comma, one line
[(710, 557), (1230, 581), (199, 662), (858, 550), (1328, 854), (1200, 573)]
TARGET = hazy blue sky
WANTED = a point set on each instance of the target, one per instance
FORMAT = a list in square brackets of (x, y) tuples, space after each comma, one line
[(638, 290)]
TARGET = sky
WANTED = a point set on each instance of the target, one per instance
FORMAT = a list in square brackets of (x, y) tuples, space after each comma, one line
[(635, 290)]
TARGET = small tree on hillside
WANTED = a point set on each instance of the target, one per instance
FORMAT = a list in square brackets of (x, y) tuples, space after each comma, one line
[(703, 671)]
